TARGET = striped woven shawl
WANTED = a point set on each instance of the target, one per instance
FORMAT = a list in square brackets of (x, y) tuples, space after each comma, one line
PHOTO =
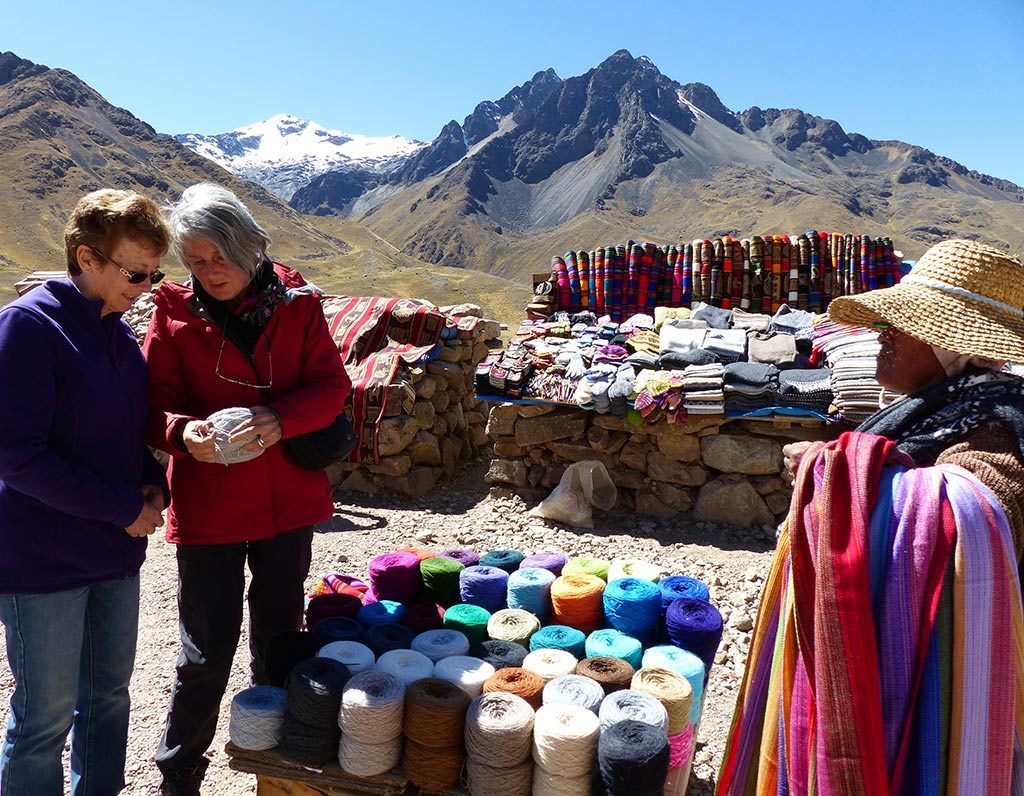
[(888, 652)]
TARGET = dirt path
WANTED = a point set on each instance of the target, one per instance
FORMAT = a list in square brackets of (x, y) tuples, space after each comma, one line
[(460, 513)]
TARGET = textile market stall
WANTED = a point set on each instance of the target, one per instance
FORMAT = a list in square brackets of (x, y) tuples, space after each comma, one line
[(685, 369)]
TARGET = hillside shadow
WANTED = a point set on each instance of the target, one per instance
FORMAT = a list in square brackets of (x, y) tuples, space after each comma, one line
[(679, 530), (455, 494)]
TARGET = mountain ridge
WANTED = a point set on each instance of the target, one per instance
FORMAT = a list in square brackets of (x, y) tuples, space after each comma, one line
[(635, 151), (284, 152)]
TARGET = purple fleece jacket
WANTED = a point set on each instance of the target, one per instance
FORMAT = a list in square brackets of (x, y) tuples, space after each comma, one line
[(73, 403)]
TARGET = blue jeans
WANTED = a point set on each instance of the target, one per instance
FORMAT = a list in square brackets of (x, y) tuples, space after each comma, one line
[(72, 655)]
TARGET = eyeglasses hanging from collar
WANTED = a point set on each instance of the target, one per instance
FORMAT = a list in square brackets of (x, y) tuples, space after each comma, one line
[(258, 386)]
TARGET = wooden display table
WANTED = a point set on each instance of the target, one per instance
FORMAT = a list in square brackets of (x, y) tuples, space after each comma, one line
[(278, 776)]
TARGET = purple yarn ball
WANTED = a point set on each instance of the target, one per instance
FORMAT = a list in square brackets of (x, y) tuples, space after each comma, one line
[(549, 560), (484, 586), (696, 626), (464, 556), (395, 576)]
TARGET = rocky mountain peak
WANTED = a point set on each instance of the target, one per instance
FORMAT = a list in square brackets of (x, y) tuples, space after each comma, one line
[(14, 68), (704, 98)]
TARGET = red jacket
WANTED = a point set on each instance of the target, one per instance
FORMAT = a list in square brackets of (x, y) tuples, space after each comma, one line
[(257, 499)]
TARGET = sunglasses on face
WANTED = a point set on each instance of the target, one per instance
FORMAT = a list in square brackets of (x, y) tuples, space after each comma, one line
[(134, 277)]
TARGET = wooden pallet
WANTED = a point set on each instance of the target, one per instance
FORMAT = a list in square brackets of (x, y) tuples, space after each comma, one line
[(35, 279), (276, 775)]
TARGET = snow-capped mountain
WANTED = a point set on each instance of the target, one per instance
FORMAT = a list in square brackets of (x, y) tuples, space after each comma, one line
[(285, 152)]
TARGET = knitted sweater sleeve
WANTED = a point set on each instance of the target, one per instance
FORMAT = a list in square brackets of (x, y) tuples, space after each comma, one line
[(993, 457)]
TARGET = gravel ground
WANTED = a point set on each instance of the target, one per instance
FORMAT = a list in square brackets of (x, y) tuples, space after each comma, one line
[(458, 513)]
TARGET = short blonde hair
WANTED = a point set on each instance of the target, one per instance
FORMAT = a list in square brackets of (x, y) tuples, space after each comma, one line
[(103, 217)]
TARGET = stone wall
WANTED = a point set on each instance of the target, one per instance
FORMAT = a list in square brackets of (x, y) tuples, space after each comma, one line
[(717, 469), (431, 422)]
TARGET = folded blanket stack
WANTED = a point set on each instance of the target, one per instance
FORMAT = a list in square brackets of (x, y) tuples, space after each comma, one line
[(749, 386), (806, 389), (759, 273), (728, 345), (703, 389), (851, 353)]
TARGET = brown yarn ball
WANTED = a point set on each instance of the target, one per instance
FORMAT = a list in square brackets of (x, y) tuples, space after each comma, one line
[(435, 713), (518, 681), (431, 768), (614, 674), (671, 689)]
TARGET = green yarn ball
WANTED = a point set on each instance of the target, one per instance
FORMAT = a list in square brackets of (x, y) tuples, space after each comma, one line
[(581, 565), (468, 619), (439, 580)]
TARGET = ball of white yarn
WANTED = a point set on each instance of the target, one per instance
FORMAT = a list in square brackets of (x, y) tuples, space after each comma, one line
[(407, 665), (634, 568), (499, 730), (357, 657), (441, 643), (257, 717), (513, 624), (224, 422), (487, 780), (550, 663), (574, 689), (627, 704), (372, 707), (545, 783), (565, 739), (369, 760), (466, 672)]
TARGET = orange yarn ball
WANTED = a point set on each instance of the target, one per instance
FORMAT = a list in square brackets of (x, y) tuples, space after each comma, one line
[(576, 601)]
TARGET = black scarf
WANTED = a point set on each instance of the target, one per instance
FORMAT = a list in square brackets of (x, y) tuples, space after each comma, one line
[(928, 422), (244, 323)]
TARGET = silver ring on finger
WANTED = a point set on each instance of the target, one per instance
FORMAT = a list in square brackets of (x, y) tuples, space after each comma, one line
[(259, 441)]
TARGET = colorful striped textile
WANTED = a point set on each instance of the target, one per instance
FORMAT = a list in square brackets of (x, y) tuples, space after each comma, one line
[(888, 652), (374, 335), (759, 274), (583, 264)]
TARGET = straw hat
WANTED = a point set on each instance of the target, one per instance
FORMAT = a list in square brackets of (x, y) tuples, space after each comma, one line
[(963, 296)]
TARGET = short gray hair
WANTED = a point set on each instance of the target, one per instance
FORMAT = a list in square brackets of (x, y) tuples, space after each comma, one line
[(207, 210)]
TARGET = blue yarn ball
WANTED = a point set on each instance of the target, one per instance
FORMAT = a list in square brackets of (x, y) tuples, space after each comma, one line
[(508, 560), (633, 605), (611, 643), (560, 637), (338, 628), (484, 586), (380, 613), (676, 586), (529, 588)]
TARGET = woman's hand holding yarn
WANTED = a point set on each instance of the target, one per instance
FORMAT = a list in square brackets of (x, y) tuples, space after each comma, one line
[(262, 431), (199, 440)]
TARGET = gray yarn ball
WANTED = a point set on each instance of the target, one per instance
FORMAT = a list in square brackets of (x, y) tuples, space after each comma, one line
[(224, 422)]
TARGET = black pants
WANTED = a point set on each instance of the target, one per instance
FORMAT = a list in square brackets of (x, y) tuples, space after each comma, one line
[(211, 583)]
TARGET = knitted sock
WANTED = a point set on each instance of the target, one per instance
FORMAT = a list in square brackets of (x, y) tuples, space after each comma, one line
[(620, 390), (600, 393)]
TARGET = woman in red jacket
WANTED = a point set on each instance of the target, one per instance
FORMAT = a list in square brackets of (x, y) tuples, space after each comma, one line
[(246, 334)]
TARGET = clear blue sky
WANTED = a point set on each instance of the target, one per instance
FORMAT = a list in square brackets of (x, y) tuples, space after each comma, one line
[(945, 75)]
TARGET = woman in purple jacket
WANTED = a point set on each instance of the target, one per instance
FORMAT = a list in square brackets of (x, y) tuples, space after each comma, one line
[(79, 494)]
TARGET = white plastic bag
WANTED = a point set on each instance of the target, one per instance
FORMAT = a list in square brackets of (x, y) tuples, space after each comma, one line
[(583, 485)]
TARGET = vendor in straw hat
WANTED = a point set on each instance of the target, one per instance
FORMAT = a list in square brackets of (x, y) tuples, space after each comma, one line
[(946, 332)]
